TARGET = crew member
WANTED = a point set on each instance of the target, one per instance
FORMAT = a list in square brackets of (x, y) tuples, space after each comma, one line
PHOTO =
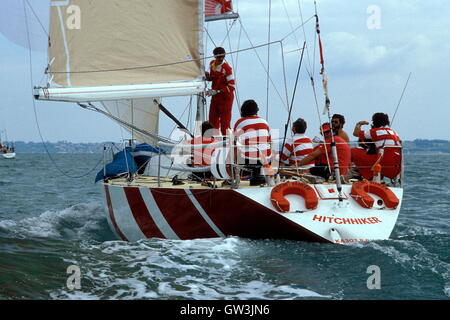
[(381, 136), (337, 122), (253, 134), (222, 91), (202, 156), (299, 147), (324, 158)]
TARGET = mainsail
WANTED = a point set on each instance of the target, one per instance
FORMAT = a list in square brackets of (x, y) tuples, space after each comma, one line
[(124, 54), (113, 49)]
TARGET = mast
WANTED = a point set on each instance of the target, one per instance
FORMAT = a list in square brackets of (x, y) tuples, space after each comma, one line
[(200, 114)]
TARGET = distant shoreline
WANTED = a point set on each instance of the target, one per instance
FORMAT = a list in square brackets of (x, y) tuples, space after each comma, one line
[(419, 146)]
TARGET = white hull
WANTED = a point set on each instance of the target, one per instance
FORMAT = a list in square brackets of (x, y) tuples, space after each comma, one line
[(10, 155)]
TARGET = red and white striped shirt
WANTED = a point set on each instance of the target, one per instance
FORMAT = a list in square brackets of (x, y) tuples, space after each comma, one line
[(383, 136), (296, 149), (254, 134), (222, 77)]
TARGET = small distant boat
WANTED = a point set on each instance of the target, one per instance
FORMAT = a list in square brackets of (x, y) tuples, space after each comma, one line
[(9, 155), (7, 150)]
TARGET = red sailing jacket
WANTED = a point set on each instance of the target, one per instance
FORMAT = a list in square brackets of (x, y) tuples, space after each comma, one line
[(383, 136), (343, 153), (202, 156), (222, 77)]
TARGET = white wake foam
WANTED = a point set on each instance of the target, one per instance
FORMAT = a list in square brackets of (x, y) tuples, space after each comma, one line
[(173, 269), (75, 222)]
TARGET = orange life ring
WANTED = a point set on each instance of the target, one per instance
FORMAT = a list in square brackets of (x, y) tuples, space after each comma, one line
[(360, 190), (279, 192)]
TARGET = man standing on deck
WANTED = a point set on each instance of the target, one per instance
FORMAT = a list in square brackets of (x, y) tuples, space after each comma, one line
[(222, 91)]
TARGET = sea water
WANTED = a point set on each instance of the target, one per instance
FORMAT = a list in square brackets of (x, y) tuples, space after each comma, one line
[(55, 243)]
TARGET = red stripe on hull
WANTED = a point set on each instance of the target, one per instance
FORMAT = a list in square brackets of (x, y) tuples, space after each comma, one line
[(237, 215), (111, 215), (181, 214), (141, 214)]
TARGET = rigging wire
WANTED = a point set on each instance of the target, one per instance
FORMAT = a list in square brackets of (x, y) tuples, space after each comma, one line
[(293, 98), (37, 18), (401, 98), (290, 23), (188, 107), (298, 27), (234, 64), (237, 62), (227, 36), (311, 66), (118, 115), (262, 64), (91, 107), (268, 61), (30, 58)]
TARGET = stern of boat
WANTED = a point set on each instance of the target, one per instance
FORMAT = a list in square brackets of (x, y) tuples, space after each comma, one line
[(142, 210)]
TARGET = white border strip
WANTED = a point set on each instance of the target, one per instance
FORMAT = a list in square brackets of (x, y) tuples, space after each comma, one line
[(123, 215), (157, 215), (203, 213)]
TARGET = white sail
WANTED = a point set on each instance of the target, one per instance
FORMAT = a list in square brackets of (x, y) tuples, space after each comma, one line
[(123, 54), (114, 49), (142, 113)]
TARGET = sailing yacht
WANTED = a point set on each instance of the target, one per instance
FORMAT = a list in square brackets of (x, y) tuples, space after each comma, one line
[(122, 59), (7, 150)]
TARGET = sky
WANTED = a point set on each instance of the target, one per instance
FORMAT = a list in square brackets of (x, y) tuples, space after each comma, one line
[(370, 48)]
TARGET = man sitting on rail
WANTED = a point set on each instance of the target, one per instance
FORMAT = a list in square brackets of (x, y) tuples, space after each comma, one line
[(298, 147), (202, 156), (253, 134), (387, 144)]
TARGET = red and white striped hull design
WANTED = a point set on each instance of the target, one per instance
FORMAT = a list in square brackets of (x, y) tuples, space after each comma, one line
[(136, 212)]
